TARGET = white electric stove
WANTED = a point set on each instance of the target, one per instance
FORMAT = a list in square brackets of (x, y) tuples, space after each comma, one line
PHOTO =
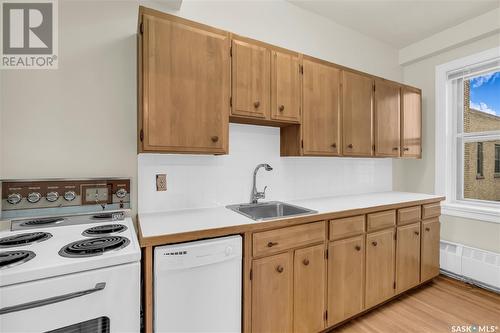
[(70, 273)]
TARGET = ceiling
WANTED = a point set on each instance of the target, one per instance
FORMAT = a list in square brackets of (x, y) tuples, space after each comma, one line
[(398, 22)]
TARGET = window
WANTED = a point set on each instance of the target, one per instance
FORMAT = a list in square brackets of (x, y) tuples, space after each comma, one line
[(468, 136), (497, 160), (479, 173)]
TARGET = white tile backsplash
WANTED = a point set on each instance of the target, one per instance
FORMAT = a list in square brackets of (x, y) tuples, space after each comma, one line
[(195, 181)]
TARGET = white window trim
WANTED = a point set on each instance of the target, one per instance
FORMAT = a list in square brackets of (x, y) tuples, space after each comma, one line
[(446, 150)]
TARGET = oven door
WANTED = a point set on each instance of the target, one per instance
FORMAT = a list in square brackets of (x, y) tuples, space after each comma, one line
[(98, 301)]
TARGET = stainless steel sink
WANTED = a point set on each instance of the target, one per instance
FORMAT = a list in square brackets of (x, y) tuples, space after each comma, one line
[(269, 210)]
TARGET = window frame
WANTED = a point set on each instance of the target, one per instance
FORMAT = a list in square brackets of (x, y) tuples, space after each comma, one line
[(496, 166), (479, 160), (450, 142)]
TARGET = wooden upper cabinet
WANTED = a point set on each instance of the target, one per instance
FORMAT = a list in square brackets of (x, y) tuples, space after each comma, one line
[(357, 114), (309, 289), (411, 123), (321, 108), (185, 82), (251, 79), (272, 294), (387, 118), (380, 260), (285, 86)]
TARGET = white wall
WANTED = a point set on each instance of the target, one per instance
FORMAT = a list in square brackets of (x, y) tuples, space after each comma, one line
[(419, 175), (207, 181), (80, 120)]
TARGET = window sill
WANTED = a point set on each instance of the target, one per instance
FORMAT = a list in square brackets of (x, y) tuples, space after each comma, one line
[(488, 213)]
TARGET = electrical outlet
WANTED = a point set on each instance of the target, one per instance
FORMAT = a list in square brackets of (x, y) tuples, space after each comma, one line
[(161, 182)]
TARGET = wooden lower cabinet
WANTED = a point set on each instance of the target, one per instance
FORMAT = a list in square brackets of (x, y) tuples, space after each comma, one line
[(309, 289), (346, 266), (407, 257), (380, 255), (430, 249), (272, 294)]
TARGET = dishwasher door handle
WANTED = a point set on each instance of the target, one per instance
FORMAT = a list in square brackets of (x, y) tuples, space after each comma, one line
[(51, 300)]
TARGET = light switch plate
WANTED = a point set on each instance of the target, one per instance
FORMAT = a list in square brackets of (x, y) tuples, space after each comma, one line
[(161, 182)]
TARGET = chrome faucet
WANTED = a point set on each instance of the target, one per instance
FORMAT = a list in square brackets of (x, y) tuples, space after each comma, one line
[(256, 195)]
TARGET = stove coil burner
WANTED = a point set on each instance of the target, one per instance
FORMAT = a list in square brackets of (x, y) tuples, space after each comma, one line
[(44, 221), (104, 230), (93, 247), (24, 239), (13, 258)]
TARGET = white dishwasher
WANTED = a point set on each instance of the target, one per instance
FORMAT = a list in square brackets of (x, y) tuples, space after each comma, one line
[(197, 286)]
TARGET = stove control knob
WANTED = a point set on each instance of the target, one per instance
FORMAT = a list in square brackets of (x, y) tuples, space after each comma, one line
[(34, 197), (121, 193), (52, 196), (14, 198), (69, 195)]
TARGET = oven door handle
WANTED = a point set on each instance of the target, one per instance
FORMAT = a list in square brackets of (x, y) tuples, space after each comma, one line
[(51, 300)]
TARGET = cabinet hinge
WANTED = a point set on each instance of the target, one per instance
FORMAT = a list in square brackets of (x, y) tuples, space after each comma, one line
[(251, 274), (231, 101), (141, 135), (231, 51), (302, 143), (141, 28), (394, 285), (373, 147), (395, 235), (326, 253), (326, 314), (373, 87), (301, 69)]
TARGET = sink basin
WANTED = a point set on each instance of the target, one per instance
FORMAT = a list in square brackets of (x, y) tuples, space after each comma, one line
[(269, 210)]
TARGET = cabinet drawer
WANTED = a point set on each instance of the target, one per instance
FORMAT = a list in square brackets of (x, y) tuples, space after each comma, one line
[(381, 220), (409, 215), (349, 226), (273, 241), (431, 210)]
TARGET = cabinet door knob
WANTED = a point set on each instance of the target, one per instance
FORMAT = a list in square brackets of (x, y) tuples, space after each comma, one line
[(215, 138), (305, 262), (349, 145), (256, 104), (281, 108), (427, 229), (395, 148), (417, 233), (334, 145), (374, 243), (271, 244), (358, 248), (406, 148), (279, 269)]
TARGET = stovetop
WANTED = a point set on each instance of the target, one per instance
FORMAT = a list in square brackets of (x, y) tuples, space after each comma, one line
[(45, 247)]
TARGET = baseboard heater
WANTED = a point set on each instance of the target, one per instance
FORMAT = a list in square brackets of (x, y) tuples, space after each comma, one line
[(471, 265)]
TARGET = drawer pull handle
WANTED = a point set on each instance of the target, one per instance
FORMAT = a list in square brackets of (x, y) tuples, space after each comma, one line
[(417, 233), (256, 104), (427, 229), (334, 145), (282, 108), (358, 248), (350, 145), (406, 148), (215, 138), (395, 148), (374, 243), (279, 269), (305, 262), (271, 244)]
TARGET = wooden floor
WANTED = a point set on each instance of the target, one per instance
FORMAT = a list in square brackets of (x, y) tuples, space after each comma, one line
[(435, 307)]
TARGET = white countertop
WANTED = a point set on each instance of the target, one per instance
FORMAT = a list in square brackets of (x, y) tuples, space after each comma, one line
[(190, 220)]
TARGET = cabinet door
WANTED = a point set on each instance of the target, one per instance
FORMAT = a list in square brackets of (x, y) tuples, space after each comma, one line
[(251, 80), (321, 103), (309, 289), (387, 119), (346, 272), (407, 257), (185, 106), (357, 113), (285, 86), (272, 294), (430, 249), (380, 258), (411, 123)]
